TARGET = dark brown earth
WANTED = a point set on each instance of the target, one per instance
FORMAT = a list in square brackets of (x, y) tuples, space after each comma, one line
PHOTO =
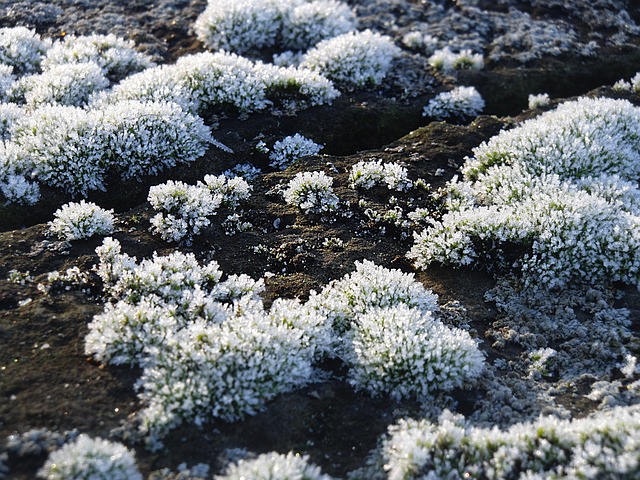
[(46, 380)]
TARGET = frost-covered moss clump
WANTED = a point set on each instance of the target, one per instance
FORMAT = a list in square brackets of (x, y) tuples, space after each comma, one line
[(244, 25), (289, 149), (355, 59), (371, 286), (89, 458), (605, 445), (224, 355), (22, 48), (311, 192), (406, 353), (183, 210), (274, 466), (561, 187), (391, 338), (215, 80), (117, 57), (369, 174), (10, 113), (74, 149), (64, 84), (449, 62), (7, 79), (212, 341), (16, 184), (75, 221), (538, 100), (461, 102)]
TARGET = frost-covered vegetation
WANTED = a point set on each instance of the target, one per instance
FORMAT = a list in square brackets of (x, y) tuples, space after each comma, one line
[(183, 210), (225, 355), (116, 57), (311, 192), (89, 458), (461, 102), (208, 80), (244, 25), (554, 199), (75, 221), (291, 148), (605, 445), (355, 59), (274, 466), (449, 62), (22, 49), (368, 174), (561, 186), (74, 149)]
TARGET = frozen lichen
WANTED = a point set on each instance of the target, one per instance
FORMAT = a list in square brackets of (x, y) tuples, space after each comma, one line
[(75, 221), (461, 102)]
